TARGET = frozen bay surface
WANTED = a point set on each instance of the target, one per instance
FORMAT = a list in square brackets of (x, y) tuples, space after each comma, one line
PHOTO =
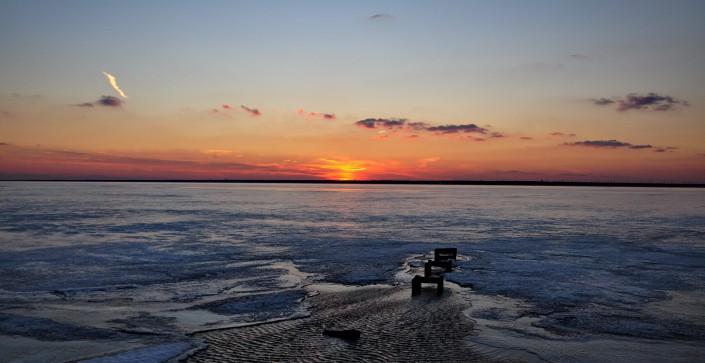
[(553, 273)]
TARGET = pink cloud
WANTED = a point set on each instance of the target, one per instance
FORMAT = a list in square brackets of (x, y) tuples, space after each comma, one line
[(252, 111), (314, 114), (560, 134)]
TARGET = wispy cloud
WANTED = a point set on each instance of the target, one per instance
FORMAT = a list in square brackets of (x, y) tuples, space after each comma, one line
[(113, 83), (385, 123), (602, 101), (19, 95), (454, 129), (252, 111), (48, 163), (634, 101), (574, 174), (225, 108), (312, 115), (425, 161), (381, 17), (561, 134), (513, 172), (222, 153), (609, 144), (398, 124)]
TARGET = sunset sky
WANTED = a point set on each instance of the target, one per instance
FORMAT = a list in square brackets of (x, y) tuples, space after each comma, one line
[(413, 90)]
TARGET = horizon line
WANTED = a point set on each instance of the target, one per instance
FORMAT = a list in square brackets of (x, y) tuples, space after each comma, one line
[(388, 182)]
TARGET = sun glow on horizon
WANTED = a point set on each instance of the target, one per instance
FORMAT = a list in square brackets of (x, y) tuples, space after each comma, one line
[(343, 171)]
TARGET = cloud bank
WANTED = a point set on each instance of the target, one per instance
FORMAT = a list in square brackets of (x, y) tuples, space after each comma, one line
[(609, 144), (396, 124), (454, 129), (384, 123)]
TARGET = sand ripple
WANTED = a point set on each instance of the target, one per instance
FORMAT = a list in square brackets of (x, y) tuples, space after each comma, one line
[(394, 326)]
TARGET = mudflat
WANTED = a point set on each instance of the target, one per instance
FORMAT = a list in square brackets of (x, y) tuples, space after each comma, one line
[(394, 326)]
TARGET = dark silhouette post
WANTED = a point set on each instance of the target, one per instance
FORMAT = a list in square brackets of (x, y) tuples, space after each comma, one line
[(418, 280), (442, 257)]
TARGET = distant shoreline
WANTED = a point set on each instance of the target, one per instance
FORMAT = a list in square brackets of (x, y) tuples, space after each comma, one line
[(382, 182)]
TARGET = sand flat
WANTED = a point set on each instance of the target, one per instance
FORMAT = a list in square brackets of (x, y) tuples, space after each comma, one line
[(395, 327)]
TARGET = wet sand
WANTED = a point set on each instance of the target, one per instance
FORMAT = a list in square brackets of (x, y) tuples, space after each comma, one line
[(395, 327)]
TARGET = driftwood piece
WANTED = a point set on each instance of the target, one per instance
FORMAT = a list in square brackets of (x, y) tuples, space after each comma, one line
[(349, 334)]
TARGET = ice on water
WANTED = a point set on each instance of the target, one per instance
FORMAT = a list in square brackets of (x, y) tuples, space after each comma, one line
[(549, 270)]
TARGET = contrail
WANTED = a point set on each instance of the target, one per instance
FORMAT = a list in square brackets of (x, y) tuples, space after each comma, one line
[(111, 79)]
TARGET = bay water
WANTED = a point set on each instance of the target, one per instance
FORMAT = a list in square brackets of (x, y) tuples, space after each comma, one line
[(553, 273)]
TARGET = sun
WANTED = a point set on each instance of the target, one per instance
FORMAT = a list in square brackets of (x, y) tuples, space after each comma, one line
[(342, 171)]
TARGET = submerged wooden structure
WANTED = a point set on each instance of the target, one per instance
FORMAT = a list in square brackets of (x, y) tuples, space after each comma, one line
[(443, 259)]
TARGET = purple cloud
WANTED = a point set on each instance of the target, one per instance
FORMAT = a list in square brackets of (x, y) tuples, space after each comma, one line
[(454, 129), (634, 101), (385, 123), (610, 144), (665, 149), (108, 101), (252, 111), (637, 102), (400, 123)]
